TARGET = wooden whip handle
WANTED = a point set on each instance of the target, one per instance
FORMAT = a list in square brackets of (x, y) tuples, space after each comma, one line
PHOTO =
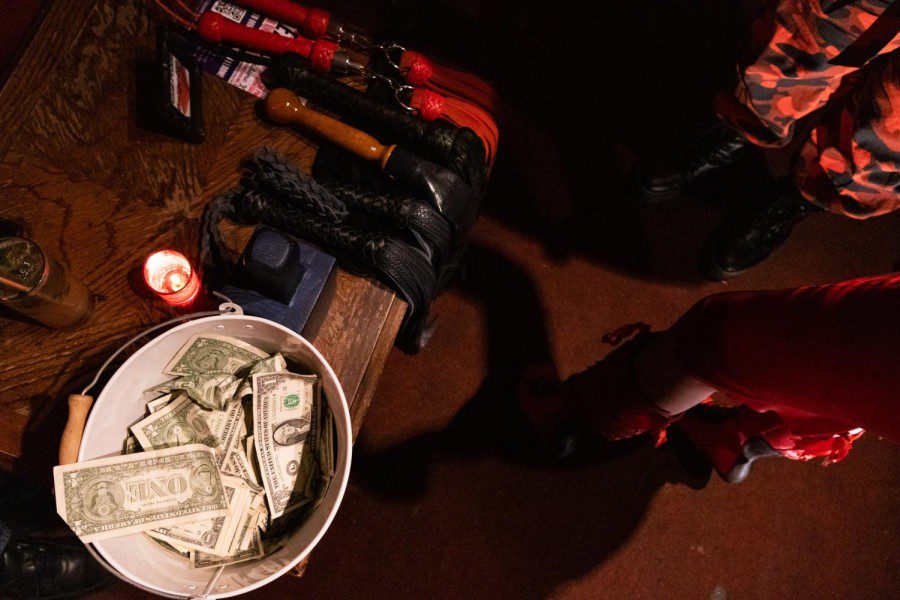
[(285, 108), (79, 406)]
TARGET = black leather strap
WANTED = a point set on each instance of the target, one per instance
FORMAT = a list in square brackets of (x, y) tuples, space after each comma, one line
[(458, 149)]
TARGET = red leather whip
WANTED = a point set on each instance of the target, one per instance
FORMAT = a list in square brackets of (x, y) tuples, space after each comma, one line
[(420, 70), (313, 22), (326, 56), (431, 105)]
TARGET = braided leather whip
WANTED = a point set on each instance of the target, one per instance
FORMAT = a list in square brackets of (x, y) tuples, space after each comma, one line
[(404, 212), (278, 176), (400, 266)]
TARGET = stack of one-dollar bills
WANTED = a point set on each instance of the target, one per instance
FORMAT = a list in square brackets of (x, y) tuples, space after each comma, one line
[(234, 453)]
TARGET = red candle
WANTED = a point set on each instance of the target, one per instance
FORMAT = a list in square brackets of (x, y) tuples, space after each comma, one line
[(169, 274)]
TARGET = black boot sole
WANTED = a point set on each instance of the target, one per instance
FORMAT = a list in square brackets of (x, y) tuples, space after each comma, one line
[(709, 267)]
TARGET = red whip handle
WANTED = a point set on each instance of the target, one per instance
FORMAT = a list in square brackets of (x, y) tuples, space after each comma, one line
[(215, 28), (312, 21)]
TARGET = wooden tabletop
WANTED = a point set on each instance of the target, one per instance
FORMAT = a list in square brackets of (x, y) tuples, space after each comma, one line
[(99, 194)]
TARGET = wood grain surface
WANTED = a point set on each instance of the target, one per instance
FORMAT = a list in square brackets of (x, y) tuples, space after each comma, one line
[(99, 194)]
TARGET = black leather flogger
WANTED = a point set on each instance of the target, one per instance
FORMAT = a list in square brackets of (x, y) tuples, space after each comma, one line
[(402, 267), (425, 180), (333, 164), (406, 214), (276, 174), (434, 186), (409, 215), (414, 221), (455, 148), (441, 187)]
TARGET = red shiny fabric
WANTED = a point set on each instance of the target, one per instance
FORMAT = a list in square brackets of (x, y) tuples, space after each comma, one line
[(814, 364)]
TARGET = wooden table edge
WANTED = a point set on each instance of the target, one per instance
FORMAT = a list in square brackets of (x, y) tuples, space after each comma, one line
[(359, 406)]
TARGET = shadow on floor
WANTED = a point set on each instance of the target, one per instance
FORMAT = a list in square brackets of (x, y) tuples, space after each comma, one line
[(467, 511), (577, 514), (601, 84), (572, 130)]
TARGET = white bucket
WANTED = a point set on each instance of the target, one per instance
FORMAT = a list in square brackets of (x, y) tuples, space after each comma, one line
[(142, 562)]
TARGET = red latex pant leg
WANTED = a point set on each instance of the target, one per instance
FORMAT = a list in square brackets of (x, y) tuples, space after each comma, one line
[(810, 365)]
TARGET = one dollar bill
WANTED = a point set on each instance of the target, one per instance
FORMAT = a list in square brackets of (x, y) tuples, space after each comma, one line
[(216, 535), (203, 560), (207, 352), (284, 432), (179, 423), (121, 495)]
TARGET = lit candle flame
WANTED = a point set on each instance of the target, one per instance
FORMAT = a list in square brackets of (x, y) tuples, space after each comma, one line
[(176, 280), (169, 274)]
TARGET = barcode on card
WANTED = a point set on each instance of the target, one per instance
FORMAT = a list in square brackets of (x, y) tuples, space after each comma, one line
[(230, 11)]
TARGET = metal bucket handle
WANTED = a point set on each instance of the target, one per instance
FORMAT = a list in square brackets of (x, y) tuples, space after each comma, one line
[(80, 405)]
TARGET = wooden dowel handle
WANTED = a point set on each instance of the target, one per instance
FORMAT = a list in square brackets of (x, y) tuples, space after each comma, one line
[(79, 406), (285, 108)]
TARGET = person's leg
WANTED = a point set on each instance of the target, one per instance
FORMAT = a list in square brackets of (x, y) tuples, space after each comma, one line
[(798, 70), (792, 73), (638, 387), (812, 365), (756, 230), (828, 350), (787, 76), (665, 381), (850, 164), (606, 399)]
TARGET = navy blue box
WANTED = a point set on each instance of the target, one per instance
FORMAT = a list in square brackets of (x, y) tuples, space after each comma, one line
[(279, 278)]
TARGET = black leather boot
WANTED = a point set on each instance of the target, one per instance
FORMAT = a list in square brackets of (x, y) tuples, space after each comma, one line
[(746, 242), (714, 146), (34, 568)]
